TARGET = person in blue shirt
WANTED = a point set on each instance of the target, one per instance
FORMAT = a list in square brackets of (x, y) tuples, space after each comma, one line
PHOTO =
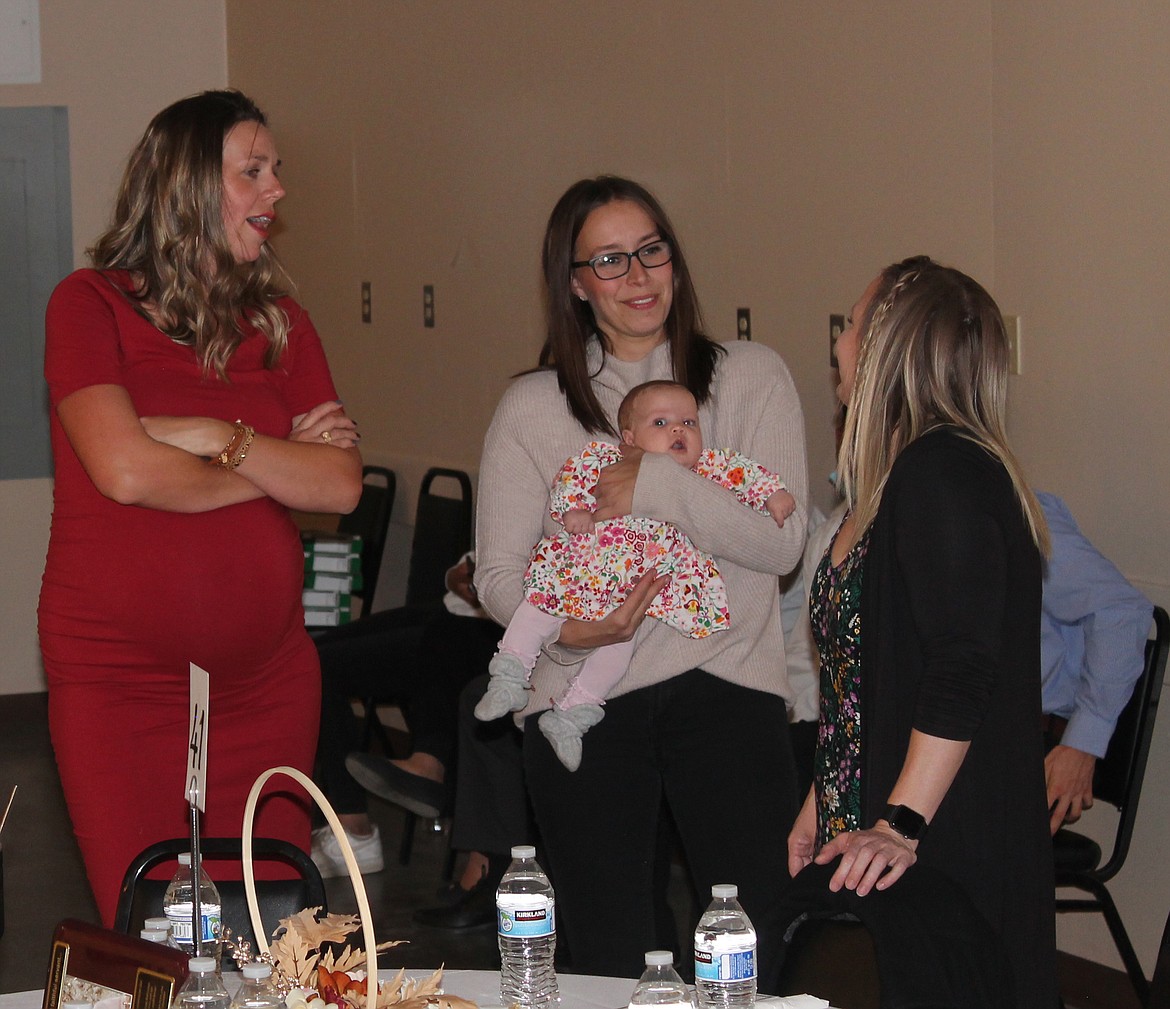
[(1093, 632)]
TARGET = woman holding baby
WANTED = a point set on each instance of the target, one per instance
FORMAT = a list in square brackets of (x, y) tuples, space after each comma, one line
[(694, 728)]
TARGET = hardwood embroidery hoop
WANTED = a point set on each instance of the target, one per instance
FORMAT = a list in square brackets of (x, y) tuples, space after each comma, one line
[(355, 873)]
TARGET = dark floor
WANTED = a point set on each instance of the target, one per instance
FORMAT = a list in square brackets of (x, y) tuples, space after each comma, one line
[(43, 882)]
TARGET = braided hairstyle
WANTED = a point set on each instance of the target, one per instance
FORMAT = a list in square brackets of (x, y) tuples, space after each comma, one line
[(933, 352)]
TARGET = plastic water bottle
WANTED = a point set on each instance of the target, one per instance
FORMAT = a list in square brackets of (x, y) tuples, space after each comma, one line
[(178, 901), (725, 953), (158, 935), (161, 923), (203, 988), (660, 985), (526, 923), (257, 992)]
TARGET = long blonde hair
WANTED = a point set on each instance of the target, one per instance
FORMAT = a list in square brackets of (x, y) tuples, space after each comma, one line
[(933, 352), (168, 232)]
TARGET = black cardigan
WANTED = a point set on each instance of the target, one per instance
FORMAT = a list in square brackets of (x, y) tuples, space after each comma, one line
[(950, 618)]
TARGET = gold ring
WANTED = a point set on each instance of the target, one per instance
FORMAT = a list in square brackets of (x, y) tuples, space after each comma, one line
[(327, 436)]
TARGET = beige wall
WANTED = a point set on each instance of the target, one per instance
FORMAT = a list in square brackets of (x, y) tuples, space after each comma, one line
[(1082, 214), (435, 139), (799, 146), (112, 66)]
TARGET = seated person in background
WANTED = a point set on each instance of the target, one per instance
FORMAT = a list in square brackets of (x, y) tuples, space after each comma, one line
[(422, 656), (491, 814), (586, 571), (1093, 632)]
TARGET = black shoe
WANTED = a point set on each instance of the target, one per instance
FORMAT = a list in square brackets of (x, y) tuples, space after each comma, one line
[(410, 791), (476, 908), (449, 893)]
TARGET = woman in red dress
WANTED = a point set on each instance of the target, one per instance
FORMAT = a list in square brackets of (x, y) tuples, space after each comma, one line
[(191, 408)]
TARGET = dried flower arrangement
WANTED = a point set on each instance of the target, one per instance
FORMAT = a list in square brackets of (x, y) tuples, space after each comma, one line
[(311, 961)]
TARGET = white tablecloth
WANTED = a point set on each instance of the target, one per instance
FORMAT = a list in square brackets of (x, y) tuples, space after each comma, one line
[(481, 986), (578, 991)]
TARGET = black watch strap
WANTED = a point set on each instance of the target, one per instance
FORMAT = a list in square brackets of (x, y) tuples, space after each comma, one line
[(910, 824)]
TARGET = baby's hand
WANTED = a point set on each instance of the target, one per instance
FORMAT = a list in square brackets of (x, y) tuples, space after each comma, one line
[(578, 521), (780, 505)]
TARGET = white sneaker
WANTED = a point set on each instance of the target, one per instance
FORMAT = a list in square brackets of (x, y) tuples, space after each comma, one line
[(327, 856)]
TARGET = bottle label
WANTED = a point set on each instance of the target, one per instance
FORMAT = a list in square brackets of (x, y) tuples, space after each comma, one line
[(179, 915), (525, 915), (725, 965)]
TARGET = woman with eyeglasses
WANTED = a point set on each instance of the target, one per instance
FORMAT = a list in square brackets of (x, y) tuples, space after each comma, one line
[(696, 731)]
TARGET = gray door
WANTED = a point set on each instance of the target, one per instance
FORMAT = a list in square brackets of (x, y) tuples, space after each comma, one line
[(35, 252)]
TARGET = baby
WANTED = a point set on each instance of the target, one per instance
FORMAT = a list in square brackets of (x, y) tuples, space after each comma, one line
[(586, 571)]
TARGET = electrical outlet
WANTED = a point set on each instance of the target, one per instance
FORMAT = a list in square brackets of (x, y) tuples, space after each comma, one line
[(429, 306), (743, 323), (1011, 323), (366, 316)]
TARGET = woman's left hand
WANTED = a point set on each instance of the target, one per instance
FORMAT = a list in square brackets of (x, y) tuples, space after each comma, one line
[(874, 858), (327, 422), (615, 485)]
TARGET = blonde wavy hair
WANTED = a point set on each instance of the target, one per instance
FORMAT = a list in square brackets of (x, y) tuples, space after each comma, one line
[(933, 352), (168, 232)]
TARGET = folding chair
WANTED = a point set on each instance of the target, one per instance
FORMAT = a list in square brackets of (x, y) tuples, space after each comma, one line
[(141, 898), (371, 520), (442, 534), (1117, 780)]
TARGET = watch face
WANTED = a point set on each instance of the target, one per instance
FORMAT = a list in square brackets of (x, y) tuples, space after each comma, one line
[(907, 822)]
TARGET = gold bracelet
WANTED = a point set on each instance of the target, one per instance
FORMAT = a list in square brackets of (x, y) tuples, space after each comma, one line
[(242, 454), (236, 450)]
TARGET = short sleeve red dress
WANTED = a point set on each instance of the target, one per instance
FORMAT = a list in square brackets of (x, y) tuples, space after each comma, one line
[(132, 595)]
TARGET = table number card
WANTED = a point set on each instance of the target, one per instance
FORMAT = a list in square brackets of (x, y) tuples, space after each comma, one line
[(197, 739)]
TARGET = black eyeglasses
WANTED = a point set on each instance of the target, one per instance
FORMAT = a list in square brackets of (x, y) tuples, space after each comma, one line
[(611, 265)]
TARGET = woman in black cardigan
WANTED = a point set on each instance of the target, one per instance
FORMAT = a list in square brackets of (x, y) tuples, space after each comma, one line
[(926, 610)]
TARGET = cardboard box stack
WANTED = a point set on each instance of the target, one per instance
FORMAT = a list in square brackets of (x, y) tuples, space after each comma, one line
[(333, 571)]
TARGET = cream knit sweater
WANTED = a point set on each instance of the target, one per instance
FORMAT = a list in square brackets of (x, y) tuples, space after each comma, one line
[(754, 409)]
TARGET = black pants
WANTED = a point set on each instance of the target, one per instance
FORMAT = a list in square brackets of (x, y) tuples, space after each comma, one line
[(717, 757), (491, 801), (420, 657)]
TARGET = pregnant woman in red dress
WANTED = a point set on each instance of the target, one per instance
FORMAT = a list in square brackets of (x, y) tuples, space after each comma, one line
[(191, 407)]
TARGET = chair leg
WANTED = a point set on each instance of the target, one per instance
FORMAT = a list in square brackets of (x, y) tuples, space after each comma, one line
[(1125, 948), (407, 844), (369, 723), (1104, 903)]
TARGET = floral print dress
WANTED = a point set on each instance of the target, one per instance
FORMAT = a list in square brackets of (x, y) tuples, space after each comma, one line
[(835, 612), (587, 576)]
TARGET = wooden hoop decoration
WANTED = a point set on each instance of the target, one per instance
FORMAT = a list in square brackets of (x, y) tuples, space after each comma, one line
[(355, 874)]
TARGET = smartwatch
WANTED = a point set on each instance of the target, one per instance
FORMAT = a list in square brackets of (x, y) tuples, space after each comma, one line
[(905, 821)]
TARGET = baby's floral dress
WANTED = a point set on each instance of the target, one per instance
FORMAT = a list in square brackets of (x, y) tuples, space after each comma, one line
[(835, 614), (588, 575)]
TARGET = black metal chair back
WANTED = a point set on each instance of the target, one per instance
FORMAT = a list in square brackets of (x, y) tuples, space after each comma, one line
[(371, 520), (141, 898), (442, 534), (1117, 780)]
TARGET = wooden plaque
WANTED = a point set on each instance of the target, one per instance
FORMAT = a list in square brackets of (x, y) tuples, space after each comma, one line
[(110, 969)]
